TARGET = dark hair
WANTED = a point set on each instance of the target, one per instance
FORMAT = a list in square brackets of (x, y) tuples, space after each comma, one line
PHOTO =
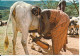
[(36, 10)]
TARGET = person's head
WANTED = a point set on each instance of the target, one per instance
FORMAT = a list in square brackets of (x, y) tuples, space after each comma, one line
[(36, 10), (62, 5)]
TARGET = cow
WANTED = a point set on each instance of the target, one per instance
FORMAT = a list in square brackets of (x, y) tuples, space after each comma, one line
[(24, 17), (3, 23), (74, 25)]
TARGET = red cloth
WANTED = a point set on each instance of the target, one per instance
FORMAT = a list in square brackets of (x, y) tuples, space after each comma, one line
[(59, 22)]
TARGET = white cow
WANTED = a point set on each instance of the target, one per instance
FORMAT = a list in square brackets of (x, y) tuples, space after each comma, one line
[(24, 18)]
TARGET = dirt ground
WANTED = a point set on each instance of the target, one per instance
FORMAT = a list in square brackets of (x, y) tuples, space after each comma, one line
[(72, 47)]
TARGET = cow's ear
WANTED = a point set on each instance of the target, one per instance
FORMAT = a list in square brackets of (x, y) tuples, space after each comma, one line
[(36, 10)]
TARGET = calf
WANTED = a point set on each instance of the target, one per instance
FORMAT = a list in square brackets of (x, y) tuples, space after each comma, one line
[(24, 17)]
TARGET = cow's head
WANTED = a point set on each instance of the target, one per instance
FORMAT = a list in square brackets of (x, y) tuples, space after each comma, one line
[(36, 10)]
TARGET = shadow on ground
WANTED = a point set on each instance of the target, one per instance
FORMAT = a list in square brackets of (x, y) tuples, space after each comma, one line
[(49, 52), (74, 36), (73, 51)]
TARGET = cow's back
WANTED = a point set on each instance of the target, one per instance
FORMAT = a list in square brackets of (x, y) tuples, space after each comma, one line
[(22, 15)]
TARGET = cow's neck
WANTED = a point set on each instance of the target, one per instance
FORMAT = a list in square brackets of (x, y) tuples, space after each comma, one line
[(34, 23)]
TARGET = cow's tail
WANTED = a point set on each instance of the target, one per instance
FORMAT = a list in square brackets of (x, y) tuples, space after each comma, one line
[(6, 41)]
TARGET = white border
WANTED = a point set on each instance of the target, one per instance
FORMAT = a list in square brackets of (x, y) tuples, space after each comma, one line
[(51, 55)]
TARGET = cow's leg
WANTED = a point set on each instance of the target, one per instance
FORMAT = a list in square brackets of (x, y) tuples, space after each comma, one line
[(14, 41), (73, 31), (77, 31), (69, 31), (24, 39), (33, 42), (14, 35)]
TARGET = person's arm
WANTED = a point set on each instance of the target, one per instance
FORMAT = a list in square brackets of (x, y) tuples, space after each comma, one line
[(46, 24)]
